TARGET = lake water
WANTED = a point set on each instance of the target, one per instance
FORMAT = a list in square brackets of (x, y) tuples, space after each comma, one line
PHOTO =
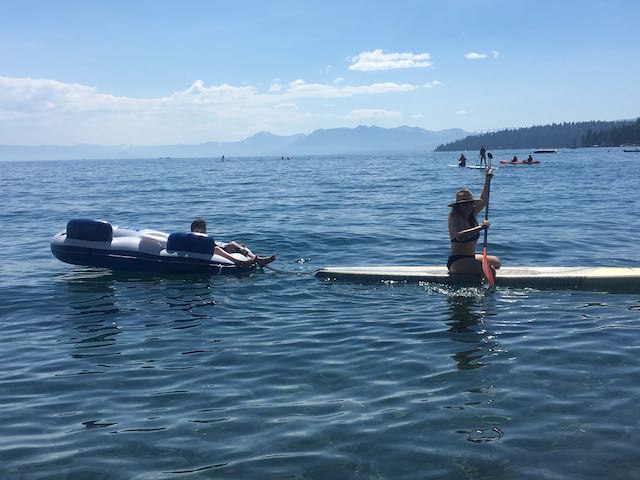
[(281, 375)]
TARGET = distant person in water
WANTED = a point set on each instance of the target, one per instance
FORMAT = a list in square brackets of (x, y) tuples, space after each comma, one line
[(226, 249), (514, 159), (483, 155), (464, 232), (462, 161), (529, 159)]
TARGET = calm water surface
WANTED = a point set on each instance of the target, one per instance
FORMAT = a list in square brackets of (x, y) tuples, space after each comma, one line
[(280, 375)]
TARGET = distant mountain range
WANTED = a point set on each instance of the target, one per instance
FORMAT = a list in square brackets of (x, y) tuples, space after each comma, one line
[(361, 139)]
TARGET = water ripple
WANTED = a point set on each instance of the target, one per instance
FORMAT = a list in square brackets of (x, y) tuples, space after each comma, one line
[(279, 375)]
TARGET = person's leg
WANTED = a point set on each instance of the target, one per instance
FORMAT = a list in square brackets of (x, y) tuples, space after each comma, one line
[(492, 259), (235, 247), (466, 266)]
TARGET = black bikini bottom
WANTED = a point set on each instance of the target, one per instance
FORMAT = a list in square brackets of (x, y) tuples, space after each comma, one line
[(455, 258)]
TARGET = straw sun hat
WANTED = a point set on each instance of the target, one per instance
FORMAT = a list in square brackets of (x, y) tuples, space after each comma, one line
[(463, 196)]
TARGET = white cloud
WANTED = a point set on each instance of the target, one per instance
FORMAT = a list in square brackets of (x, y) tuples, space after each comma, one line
[(39, 111), (435, 83), (286, 106), (338, 80), (275, 85), (417, 116), (475, 56), (299, 88), (461, 112), (495, 53), (378, 60), (33, 95), (372, 113)]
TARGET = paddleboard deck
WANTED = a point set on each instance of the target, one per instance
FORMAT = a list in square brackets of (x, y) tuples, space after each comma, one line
[(584, 278), (474, 167)]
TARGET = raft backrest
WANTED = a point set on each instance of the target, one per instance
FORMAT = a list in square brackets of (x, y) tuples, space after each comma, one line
[(88, 229), (190, 242)]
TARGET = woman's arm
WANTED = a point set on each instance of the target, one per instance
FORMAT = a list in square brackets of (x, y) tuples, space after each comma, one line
[(467, 233), (485, 192)]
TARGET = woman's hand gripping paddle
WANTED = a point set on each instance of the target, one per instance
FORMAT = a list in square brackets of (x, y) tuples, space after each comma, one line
[(486, 268)]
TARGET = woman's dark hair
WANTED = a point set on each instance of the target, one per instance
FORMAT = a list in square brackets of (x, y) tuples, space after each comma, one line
[(473, 219)]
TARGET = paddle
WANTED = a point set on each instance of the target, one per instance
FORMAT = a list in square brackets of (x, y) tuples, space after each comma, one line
[(486, 268)]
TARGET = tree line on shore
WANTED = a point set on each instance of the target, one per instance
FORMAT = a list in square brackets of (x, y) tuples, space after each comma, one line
[(556, 135)]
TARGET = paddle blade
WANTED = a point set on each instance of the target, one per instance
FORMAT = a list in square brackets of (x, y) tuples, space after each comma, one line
[(486, 268)]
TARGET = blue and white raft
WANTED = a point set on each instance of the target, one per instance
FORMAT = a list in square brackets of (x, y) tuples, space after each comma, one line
[(626, 279), (97, 243)]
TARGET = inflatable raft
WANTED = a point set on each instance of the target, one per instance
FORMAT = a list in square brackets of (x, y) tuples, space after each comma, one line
[(97, 243), (586, 278)]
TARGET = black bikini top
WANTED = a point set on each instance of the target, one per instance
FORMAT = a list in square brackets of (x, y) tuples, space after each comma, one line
[(472, 239), (472, 223)]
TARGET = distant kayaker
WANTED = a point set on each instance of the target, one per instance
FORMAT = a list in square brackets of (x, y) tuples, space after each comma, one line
[(483, 155), (226, 249), (529, 159), (514, 159), (462, 161), (464, 232)]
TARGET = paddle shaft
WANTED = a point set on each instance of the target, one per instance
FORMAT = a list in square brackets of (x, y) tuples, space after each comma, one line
[(486, 211)]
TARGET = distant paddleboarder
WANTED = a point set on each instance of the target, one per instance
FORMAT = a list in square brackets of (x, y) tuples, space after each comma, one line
[(483, 155), (462, 161)]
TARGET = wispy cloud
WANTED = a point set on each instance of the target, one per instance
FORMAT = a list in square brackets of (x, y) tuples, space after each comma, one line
[(475, 56), (434, 83), (49, 111), (372, 113), (495, 53), (300, 88), (378, 60), (286, 106), (461, 112), (275, 85)]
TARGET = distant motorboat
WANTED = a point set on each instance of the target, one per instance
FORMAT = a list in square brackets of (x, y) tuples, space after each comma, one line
[(545, 150), (631, 150)]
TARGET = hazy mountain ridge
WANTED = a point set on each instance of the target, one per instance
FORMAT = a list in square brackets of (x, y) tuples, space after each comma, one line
[(362, 139)]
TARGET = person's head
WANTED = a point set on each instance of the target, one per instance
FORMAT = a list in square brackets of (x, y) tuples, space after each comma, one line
[(464, 203), (199, 226)]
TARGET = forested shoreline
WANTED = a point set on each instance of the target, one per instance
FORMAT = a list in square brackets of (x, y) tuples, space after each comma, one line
[(556, 135)]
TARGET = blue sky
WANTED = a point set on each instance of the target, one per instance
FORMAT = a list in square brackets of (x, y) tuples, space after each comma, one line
[(159, 72)]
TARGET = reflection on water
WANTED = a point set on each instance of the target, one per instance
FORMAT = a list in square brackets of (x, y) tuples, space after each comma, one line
[(92, 311), (467, 309), (101, 305)]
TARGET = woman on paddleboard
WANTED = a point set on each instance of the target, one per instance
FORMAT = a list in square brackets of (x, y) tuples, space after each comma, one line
[(464, 232)]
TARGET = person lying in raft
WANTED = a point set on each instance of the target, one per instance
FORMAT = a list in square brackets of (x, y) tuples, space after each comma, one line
[(464, 232), (226, 249)]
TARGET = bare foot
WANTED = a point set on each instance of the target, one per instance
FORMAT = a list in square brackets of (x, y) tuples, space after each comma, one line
[(262, 261)]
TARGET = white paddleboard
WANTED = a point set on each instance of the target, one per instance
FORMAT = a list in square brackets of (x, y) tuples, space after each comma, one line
[(586, 278)]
